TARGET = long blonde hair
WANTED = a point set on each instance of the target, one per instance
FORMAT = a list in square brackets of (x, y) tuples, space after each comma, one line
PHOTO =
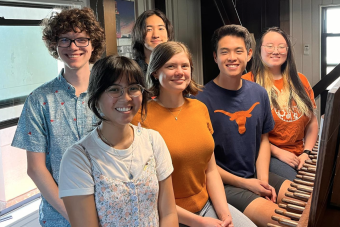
[(293, 89)]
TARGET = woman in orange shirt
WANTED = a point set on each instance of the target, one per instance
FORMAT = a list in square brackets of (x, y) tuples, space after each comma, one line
[(185, 125), (292, 102)]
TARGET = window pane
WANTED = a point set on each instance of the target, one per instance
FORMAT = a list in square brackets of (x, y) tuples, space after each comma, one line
[(333, 18), (332, 51), (125, 20), (25, 62), (11, 12), (329, 69)]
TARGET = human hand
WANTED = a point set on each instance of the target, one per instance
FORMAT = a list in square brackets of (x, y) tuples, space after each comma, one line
[(261, 188), (227, 221), (209, 222), (303, 157), (274, 196), (289, 158)]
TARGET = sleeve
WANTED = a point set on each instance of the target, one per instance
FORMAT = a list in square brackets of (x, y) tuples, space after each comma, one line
[(249, 76), (31, 133), (268, 121), (162, 156), (207, 119), (308, 88), (75, 176)]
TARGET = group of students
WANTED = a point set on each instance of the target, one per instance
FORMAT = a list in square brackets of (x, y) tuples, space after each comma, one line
[(139, 143)]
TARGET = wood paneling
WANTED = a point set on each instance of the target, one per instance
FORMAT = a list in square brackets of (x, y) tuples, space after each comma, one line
[(105, 12), (186, 18)]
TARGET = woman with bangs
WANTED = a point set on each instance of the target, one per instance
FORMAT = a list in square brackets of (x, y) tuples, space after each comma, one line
[(119, 174), (292, 103), (185, 125)]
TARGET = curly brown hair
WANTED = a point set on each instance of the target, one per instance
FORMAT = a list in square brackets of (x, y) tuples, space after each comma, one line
[(76, 20)]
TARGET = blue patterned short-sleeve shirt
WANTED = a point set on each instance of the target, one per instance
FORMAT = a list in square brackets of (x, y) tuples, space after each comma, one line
[(53, 118)]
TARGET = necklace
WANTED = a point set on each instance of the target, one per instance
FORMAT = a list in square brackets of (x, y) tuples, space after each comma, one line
[(177, 114), (101, 136)]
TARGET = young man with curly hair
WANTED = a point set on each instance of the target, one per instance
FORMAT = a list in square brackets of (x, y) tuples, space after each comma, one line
[(55, 115)]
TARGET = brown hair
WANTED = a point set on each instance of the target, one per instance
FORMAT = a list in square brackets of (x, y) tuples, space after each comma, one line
[(162, 54), (76, 20)]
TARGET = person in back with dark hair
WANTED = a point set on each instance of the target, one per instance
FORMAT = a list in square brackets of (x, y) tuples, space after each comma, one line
[(55, 115), (119, 174), (152, 27), (241, 117), (292, 103)]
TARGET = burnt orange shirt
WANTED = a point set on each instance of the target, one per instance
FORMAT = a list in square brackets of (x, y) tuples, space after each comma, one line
[(290, 124), (191, 145)]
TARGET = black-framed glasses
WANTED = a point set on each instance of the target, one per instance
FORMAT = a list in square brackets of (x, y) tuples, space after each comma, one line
[(133, 90), (270, 49), (79, 42)]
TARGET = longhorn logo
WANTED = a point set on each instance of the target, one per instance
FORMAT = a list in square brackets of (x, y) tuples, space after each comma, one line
[(240, 117)]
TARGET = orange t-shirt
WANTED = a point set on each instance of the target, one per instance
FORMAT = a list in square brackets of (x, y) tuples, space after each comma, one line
[(191, 145), (290, 125)]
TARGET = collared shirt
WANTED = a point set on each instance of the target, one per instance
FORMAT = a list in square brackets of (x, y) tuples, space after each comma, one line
[(53, 118)]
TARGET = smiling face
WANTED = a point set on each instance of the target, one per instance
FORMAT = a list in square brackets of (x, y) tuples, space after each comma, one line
[(156, 32), (232, 56), (75, 57), (121, 110), (175, 75), (275, 59)]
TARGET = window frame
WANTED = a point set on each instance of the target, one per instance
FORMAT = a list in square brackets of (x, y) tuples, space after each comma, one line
[(324, 36), (7, 103)]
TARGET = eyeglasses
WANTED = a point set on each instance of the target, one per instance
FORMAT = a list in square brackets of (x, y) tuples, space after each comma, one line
[(133, 90), (79, 42), (270, 49)]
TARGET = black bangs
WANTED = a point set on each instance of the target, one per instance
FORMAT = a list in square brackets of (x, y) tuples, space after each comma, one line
[(111, 70)]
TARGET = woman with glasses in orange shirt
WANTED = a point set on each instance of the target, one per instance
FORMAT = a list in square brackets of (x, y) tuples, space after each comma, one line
[(292, 102)]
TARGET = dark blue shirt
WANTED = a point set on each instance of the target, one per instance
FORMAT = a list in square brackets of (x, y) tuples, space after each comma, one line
[(239, 118)]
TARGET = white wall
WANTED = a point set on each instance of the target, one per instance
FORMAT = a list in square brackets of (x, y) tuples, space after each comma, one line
[(306, 29), (185, 15)]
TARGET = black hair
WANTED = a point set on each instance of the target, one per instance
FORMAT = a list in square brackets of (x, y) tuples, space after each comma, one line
[(139, 32), (106, 72), (231, 30)]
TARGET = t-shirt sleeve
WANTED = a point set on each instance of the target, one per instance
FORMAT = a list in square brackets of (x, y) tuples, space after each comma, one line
[(207, 119), (268, 121), (248, 76), (31, 133), (308, 88), (162, 156), (75, 176)]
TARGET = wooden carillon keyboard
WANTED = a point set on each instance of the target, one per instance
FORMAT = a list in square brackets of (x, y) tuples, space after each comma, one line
[(313, 199), (297, 200)]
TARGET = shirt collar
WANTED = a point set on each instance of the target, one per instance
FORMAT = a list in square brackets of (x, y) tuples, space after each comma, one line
[(66, 85)]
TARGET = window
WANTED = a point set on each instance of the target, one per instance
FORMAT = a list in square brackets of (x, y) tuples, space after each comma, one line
[(330, 40), (125, 20), (25, 65)]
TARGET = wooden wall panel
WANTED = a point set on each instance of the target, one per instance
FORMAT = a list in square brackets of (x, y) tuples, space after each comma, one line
[(296, 34), (185, 15), (336, 1), (316, 41), (306, 5)]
